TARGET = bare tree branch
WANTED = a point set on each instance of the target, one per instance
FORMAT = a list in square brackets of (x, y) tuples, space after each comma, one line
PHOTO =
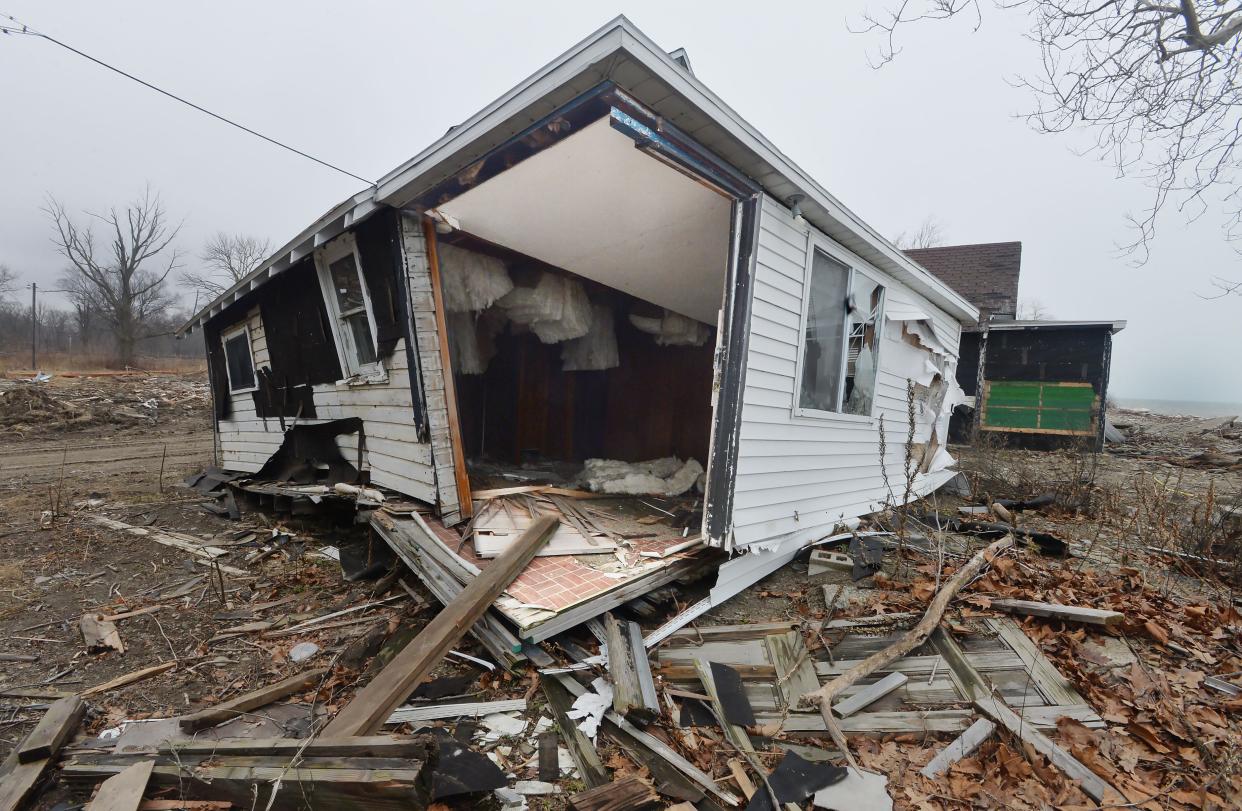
[(229, 259), (1155, 82), (929, 234)]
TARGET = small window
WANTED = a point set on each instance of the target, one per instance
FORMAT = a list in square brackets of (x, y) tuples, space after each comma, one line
[(340, 274), (238, 360), (840, 348)]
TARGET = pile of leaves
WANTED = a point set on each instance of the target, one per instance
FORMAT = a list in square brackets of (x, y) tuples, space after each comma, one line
[(1170, 742)]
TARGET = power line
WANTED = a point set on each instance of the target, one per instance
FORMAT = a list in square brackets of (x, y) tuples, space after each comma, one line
[(27, 30)]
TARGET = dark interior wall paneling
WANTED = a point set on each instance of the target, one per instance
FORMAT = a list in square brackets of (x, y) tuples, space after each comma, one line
[(525, 407)]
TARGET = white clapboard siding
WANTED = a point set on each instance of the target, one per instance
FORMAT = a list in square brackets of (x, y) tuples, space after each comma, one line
[(802, 475), (394, 458)]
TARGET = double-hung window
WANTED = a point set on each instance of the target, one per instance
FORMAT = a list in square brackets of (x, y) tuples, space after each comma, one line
[(238, 359), (349, 306), (839, 356)]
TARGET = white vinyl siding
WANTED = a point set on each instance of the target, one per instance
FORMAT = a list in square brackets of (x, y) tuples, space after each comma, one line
[(394, 456), (798, 475)]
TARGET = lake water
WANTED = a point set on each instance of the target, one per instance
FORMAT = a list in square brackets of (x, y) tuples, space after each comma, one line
[(1182, 407)]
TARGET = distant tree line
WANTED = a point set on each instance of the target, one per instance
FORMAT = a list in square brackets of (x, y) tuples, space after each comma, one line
[(120, 278)]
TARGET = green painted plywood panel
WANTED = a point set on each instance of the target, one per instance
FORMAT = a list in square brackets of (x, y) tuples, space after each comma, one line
[(1036, 406)]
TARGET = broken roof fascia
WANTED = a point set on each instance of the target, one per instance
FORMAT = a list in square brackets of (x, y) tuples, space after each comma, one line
[(1113, 326), (529, 102)]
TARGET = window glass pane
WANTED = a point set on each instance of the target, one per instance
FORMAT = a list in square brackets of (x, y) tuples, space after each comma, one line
[(346, 283), (823, 342), (866, 301), (237, 356), (360, 329)]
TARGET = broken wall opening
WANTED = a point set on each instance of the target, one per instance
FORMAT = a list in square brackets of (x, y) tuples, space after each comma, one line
[(581, 289)]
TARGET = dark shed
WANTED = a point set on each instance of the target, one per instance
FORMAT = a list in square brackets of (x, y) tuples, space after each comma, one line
[(1044, 379)]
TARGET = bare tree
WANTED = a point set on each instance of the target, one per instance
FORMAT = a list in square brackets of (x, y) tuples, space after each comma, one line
[(229, 259), (928, 235), (8, 282), (1155, 82), (125, 281), (1032, 309), (1224, 287)]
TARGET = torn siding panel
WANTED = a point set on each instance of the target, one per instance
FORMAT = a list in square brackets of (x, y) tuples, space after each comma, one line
[(803, 475), (427, 342)]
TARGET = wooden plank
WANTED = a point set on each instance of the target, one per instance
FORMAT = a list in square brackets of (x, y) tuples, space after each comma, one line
[(184, 805), (1051, 682), (220, 713), (389, 746), (633, 697), (1096, 787), (963, 746), (129, 678), (17, 780), (621, 795), (590, 768), (549, 757), (374, 703), (920, 721), (123, 791), (741, 778), (869, 695), (59, 722), (1068, 613), (462, 478), (795, 672)]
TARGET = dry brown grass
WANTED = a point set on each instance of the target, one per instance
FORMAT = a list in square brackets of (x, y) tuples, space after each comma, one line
[(96, 362)]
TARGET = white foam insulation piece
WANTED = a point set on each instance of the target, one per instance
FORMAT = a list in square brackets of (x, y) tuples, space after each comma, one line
[(664, 477), (471, 282)]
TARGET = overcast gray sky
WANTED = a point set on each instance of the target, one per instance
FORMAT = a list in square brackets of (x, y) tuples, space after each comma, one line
[(368, 84)]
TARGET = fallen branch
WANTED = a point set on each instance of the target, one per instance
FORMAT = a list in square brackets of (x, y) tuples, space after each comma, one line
[(910, 640)]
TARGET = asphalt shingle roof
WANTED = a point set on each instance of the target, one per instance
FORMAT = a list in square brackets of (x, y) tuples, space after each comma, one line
[(986, 274)]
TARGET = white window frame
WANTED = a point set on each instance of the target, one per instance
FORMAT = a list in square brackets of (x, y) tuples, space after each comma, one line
[(346, 351), (225, 337), (834, 252)]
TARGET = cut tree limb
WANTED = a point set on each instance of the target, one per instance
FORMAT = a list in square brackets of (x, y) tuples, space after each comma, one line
[(372, 705), (907, 642)]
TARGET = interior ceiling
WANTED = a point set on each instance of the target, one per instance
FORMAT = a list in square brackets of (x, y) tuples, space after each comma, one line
[(596, 206)]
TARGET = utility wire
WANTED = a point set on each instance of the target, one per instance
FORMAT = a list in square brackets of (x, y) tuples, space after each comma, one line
[(27, 30)]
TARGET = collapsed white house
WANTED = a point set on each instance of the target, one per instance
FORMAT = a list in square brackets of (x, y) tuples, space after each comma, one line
[(603, 280)]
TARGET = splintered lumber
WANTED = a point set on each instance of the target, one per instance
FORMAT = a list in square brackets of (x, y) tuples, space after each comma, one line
[(100, 634), (963, 746), (123, 791), (278, 786), (907, 642), (373, 704), (17, 780), (184, 805), (1095, 786), (634, 693), (654, 753), (49, 735), (1068, 613), (621, 795), (129, 678), (590, 768), (385, 746), (220, 713), (870, 695)]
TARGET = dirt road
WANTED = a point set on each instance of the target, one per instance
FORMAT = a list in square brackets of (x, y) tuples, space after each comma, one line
[(41, 461)]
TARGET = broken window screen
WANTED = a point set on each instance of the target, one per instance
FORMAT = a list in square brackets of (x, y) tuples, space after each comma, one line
[(862, 360), (237, 359), (824, 341), (352, 310)]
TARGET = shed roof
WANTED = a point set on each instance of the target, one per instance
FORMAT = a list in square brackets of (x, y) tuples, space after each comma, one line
[(985, 273), (620, 53)]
